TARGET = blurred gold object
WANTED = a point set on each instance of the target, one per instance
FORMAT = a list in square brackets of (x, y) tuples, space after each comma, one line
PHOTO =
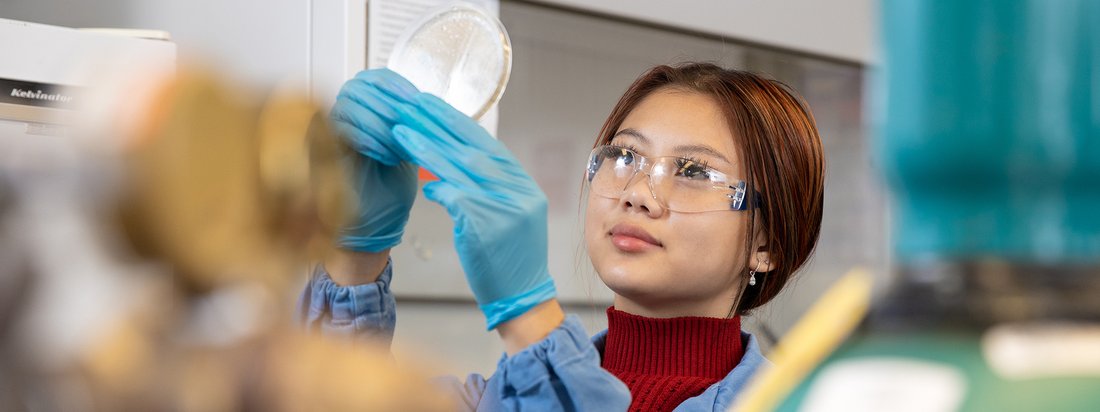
[(301, 166), (821, 330), (278, 371), (235, 201), (225, 197)]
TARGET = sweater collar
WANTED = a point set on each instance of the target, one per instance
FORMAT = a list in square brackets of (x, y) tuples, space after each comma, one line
[(685, 346)]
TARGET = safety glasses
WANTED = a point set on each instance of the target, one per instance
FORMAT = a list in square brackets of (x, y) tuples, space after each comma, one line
[(678, 184)]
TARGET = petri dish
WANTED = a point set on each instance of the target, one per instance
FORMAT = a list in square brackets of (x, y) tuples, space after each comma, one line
[(460, 53)]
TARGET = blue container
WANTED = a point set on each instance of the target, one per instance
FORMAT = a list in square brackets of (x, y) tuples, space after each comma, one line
[(988, 117)]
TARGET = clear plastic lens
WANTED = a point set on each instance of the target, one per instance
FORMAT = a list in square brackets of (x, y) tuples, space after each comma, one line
[(679, 184)]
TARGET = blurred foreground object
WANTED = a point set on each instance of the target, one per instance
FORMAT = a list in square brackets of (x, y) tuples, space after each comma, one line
[(155, 242), (236, 202), (990, 139), (817, 333), (59, 279), (224, 193)]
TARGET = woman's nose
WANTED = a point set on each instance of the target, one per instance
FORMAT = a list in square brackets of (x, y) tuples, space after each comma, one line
[(639, 196)]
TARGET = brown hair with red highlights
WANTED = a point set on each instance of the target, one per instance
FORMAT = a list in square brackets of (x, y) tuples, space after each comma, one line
[(780, 148)]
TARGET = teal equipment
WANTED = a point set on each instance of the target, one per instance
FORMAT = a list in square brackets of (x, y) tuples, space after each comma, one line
[(988, 117)]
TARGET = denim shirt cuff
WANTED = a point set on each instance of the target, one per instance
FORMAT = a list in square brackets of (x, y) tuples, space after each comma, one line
[(355, 311), (567, 359)]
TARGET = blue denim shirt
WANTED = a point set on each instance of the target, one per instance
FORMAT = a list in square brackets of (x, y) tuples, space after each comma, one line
[(561, 372)]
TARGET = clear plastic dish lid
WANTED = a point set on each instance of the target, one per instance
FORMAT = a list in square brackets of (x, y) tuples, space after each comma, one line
[(460, 53)]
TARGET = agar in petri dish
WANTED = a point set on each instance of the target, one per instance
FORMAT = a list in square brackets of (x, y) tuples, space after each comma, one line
[(460, 53)]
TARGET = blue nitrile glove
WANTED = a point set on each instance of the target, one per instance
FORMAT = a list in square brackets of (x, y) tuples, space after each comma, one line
[(499, 212), (384, 184)]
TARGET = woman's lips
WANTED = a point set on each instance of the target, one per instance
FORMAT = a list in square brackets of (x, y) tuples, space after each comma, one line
[(632, 239)]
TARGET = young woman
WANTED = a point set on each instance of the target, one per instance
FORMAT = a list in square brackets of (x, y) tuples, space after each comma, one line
[(704, 197)]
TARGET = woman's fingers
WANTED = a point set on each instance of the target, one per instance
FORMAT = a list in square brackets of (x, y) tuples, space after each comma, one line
[(372, 97), (389, 82), (461, 126), (385, 118), (368, 103), (447, 161), (449, 196), (363, 144)]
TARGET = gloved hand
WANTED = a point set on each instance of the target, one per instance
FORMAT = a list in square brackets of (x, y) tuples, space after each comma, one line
[(384, 184), (499, 212)]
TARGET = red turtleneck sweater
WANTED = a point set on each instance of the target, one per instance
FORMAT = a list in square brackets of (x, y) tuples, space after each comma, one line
[(666, 361)]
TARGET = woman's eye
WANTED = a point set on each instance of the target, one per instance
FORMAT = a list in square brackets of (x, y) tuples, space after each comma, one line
[(692, 170), (624, 157)]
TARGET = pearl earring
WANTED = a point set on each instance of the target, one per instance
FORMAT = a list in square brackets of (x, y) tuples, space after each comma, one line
[(752, 278)]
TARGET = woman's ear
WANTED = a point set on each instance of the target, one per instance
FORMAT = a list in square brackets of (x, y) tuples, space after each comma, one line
[(760, 261)]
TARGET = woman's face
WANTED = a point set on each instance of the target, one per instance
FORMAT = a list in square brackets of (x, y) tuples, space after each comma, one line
[(694, 262)]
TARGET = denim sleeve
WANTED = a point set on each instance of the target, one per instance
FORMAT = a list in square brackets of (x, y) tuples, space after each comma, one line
[(559, 373), (366, 312)]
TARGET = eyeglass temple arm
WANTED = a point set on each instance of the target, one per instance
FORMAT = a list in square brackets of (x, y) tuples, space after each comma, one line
[(737, 198)]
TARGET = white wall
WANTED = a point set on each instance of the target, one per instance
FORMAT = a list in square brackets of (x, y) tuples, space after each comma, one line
[(258, 41), (68, 13), (264, 41), (844, 29)]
